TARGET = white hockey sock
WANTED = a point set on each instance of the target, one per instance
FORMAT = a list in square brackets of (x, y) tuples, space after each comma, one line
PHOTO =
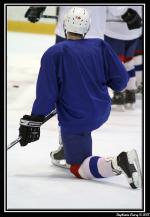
[(95, 167), (138, 78), (131, 84)]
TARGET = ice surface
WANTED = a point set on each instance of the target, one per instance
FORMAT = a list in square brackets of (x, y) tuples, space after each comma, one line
[(32, 181)]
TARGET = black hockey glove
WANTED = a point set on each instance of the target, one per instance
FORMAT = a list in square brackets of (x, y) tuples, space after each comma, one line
[(34, 13), (29, 129), (132, 18)]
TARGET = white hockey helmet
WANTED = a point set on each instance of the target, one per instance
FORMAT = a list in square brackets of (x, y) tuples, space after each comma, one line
[(77, 20)]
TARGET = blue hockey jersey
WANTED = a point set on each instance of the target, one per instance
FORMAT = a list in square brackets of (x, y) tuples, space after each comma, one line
[(74, 77)]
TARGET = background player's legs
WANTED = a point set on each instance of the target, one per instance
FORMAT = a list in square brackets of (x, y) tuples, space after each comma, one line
[(118, 99), (130, 47), (138, 62), (130, 98), (125, 50)]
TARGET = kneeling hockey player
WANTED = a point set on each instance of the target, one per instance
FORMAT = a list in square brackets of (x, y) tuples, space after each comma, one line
[(74, 77)]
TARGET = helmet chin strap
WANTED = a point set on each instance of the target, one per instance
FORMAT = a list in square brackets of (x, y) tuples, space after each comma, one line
[(84, 35), (65, 33)]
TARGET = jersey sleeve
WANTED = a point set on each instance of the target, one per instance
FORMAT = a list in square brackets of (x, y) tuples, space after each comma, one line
[(116, 75), (46, 87), (117, 10)]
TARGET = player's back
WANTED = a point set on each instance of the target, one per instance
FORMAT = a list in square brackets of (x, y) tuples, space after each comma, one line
[(78, 72), (84, 99), (83, 63)]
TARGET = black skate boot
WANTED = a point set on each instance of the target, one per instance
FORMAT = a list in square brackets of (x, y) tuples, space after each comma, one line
[(58, 158), (130, 99), (128, 163), (139, 88), (118, 100)]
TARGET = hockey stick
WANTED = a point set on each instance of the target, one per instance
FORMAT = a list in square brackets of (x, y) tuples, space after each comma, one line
[(19, 138), (119, 21), (51, 17)]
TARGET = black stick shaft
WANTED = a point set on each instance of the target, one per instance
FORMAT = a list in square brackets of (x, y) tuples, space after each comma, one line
[(14, 143), (50, 17)]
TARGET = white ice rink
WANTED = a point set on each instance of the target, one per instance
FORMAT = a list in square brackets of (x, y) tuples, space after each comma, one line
[(32, 181)]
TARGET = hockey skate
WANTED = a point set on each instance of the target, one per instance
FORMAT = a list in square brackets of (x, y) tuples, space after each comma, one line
[(118, 101), (58, 158), (139, 88), (130, 99), (128, 163)]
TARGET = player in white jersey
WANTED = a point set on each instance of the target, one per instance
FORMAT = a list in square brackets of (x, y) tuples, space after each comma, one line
[(124, 41), (97, 29), (97, 13), (98, 20)]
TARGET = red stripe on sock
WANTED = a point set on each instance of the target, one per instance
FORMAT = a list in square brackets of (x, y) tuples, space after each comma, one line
[(138, 52), (74, 169), (124, 58)]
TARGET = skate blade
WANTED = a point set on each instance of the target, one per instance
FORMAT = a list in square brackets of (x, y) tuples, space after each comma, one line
[(130, 106), (135, 181), (60, 163), (119, 108)]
